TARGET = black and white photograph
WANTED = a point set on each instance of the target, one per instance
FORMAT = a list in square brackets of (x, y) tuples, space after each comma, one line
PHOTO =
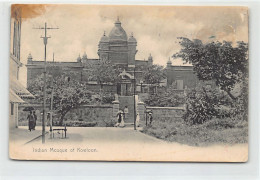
[(129, 83)]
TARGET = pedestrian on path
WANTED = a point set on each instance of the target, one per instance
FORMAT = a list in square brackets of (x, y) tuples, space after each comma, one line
[(150, 118), (125, 112), (119, 118), (30, 121), (137, 121), (122, 123), (35, 119)]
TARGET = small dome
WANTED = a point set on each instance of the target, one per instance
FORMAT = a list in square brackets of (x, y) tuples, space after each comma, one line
[(79, 59), (169, 61), (29, 56), (150, 57), (117, 33), (104, 38), (85, 56), (131, 38)]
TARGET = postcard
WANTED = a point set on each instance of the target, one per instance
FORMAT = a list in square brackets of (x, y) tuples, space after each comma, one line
[(128, 83)]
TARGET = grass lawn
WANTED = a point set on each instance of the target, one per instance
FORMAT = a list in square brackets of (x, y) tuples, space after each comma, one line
[(216, 131)]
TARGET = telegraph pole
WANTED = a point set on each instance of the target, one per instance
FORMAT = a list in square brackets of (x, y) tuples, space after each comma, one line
[(134, 102), (52, 91), (45, 40), (133, 66)]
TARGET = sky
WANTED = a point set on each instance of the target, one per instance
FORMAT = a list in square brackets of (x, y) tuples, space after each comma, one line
[(156, 29)]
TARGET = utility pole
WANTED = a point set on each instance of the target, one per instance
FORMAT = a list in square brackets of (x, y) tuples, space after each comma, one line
[(52, 91), (133, 66), (45, 40), (134, 102)]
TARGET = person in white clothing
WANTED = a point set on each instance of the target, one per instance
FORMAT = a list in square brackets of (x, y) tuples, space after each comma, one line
[(137, 120)]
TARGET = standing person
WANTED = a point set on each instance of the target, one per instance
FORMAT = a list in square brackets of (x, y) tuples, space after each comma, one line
[(48, 119), (35, 119), (125, 112), (30, 121), (150, 118), (119, 118), (137, 120), (122, 123)]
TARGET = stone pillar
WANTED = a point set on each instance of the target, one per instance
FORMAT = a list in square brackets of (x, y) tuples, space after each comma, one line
[(115, 106), (141, 110), (16, 115)]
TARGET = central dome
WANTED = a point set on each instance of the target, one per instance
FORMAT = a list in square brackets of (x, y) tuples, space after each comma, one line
[(117, 33)]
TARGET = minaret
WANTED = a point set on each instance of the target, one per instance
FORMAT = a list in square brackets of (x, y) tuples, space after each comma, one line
[(150, 60), (169, 63), (79, 59), (103, 47), (131, 50), (29, 58), (84, 57)]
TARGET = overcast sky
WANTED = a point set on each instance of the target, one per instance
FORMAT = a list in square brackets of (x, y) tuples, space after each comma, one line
[(156, 29)]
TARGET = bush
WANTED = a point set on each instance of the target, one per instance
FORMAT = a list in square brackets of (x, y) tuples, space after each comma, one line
[(211, 132), (80, 124), (167, 97)]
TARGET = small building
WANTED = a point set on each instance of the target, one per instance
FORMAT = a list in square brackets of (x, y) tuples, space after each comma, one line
[(183, 76)]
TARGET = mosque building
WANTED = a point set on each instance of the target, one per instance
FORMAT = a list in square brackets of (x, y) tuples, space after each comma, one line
[(117, 48), (120, 50)]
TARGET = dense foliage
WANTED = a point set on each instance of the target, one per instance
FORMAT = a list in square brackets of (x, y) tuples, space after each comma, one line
[(227, 67), (221, 62), (104, 72), (153, 74), (67, 93), (166, 97)]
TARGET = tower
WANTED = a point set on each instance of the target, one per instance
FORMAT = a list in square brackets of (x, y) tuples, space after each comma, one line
[(103, 47), (29, 58), (84, 57), (79, 59), (118, 47), (131, 50), (169, 63), (150, 60)]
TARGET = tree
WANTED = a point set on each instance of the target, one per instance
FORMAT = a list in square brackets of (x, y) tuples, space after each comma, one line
[(227, 66), (153, 74), (217, 61), (103, 72), (166, 97), (67, 93)]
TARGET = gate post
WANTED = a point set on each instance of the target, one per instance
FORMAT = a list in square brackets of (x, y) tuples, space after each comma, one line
[(115, 106), (141, 109)]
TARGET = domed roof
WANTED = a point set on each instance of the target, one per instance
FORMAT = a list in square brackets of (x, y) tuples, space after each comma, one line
[(131, 38), (84, 56), (117, 33), (150, 57), (169, 61), (79, 59), (29, 56), (104, 38)]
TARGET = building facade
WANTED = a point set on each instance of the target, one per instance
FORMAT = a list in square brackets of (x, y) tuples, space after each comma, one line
[(117, 48), (120, 50), (17, 92)]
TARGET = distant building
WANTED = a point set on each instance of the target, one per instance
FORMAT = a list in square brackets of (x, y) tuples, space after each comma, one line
[(17, 92), (182, 77), (116, 48), (120, 50)]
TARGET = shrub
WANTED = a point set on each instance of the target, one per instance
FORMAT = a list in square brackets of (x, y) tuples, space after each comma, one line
[(167, 97), (80, 124), (211, 132)]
